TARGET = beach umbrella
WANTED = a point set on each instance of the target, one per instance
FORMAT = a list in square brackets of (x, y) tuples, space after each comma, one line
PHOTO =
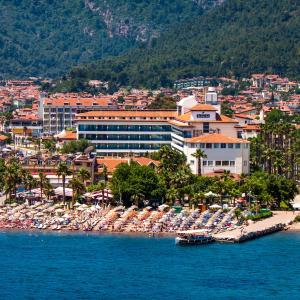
[(60, 211), (215, 206), (76, 204), (210, 194)]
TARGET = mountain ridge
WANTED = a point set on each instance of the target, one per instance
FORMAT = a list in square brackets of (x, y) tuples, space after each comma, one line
[(237, 38), (46, 38)]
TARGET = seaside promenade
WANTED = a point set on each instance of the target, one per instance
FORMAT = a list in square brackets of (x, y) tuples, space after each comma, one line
[(277, 222)]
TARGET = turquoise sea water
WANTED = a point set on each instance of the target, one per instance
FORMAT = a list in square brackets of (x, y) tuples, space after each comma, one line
[(78, 266)]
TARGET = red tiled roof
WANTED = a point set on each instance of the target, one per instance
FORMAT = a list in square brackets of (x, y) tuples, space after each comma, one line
[(220, 118), (129, 113), (204, 107), (243, 116), (112, 163), (215, 138), (3, 138)]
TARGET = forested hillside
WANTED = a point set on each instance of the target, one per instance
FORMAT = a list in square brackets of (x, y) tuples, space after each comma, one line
[(238, 38), (47, 38)]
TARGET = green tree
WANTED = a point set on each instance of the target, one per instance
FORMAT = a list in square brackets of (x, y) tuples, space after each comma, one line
[(78, 188), (199, 155), (42, 182), (132, 179), (63, 171), (84, 175)]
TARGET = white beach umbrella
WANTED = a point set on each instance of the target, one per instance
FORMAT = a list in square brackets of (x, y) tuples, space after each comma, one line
[(215, 206), (210, 194)]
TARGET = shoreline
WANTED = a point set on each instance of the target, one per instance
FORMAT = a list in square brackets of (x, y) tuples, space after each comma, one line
[(121, 233), (294, 227)]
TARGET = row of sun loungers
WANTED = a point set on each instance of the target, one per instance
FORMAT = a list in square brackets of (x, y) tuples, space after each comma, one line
[(48, 216)]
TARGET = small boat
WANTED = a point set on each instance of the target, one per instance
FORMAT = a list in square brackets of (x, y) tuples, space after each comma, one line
[(194, 237)]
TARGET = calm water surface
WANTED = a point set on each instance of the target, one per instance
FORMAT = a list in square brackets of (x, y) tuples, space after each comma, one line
[(75, 266)]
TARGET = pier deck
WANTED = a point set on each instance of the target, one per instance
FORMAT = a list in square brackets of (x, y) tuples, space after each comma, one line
[(277, 222)]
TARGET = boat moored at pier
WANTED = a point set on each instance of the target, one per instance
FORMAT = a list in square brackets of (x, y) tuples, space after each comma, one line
[(194, 237)]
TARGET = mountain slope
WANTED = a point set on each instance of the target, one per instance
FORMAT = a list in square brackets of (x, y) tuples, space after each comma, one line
[(237, 38), (39, 38)]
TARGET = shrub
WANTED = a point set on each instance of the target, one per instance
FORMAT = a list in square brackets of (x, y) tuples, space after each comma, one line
[(297, 219), (261, 215)]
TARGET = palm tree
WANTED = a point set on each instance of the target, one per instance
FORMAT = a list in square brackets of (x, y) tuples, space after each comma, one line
[(101, 186), (199, 155), (197, 198), (172, 195), (48, 189), (63, 171), (43, 180), (78, 188), (84, 174), (29, 182), (105, 173), (12, 177)]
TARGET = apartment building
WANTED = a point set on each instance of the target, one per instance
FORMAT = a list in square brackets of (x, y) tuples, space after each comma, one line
[(58, 112)]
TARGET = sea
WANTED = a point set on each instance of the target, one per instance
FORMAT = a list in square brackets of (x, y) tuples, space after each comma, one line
[(93, 266)]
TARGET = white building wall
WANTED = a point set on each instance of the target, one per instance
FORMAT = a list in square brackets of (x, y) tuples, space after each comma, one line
[(239, 156), (205, 116)]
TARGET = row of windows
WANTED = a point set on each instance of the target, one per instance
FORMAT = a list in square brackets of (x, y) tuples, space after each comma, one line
[(219, 145), (128, 146), (185, 134), (54, 110), (219, 163), (126, 137), (124, 128)]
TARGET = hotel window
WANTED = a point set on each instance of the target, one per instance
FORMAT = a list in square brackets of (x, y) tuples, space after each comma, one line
[(237, 146), (245, 163), (218, 163), (232, 163), (206, 127), (208, 146), (204, 163), (202, 146), (245, 146), (223, 146), (230, 146), (210, 163), (216, 145), (203, 116), (225, 163), (192, 162)]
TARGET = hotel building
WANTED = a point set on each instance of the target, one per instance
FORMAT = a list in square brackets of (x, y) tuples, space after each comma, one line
[(202, 126), (121, 132), (193, 126)]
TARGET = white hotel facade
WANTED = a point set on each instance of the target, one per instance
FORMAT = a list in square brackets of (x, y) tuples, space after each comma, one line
[(194, 126), (201, 126)]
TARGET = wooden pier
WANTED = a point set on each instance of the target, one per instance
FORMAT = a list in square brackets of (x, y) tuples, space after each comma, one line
[(276, 223)]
